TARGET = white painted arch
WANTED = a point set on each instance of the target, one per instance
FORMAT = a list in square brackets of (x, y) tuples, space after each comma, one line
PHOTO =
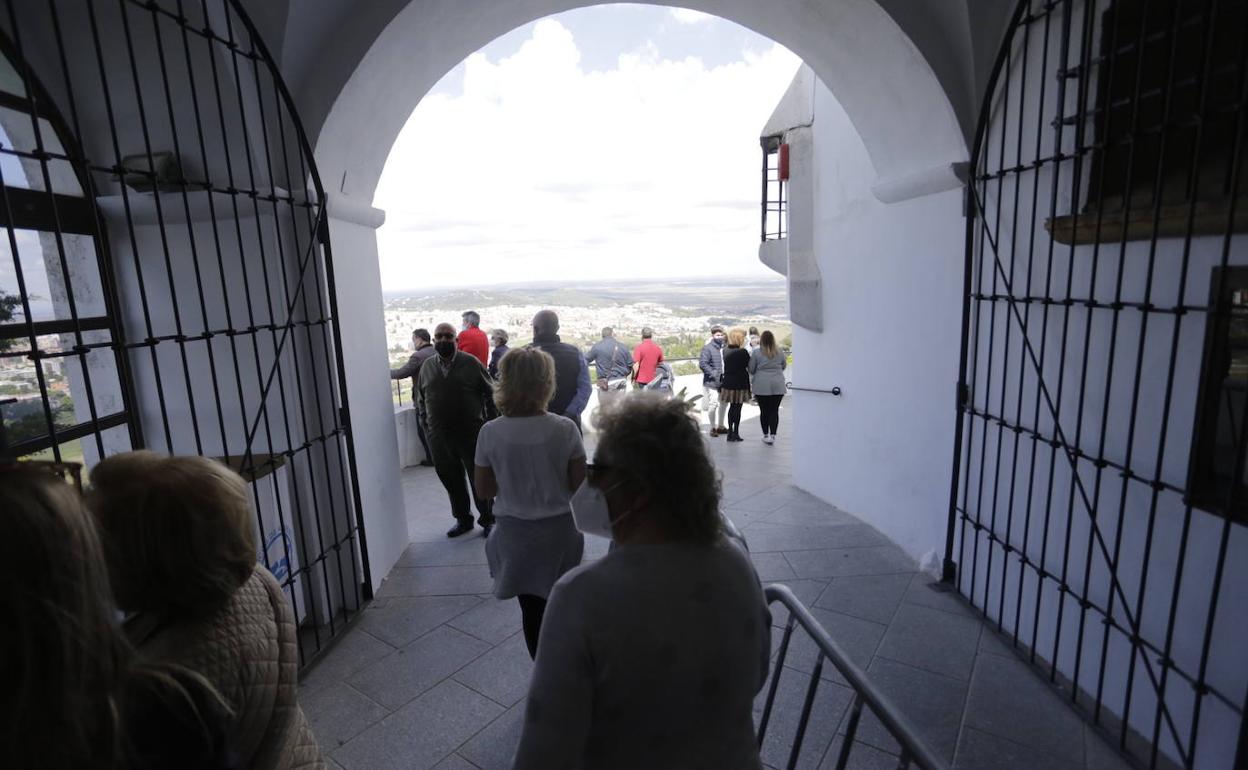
[(900, 108)]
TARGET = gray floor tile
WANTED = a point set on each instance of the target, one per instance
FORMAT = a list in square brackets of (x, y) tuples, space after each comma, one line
[(743, 519), (932, 640), (806, 592), (984, 751), (339, 713), (447, 553), (422, 733), (397, 679), (493, 620), (1099, 754), (929, 592), (736, 490), (405, 618), (495, 746), (772, 567), (455, 762), (502, 674), (933, 703), (813, 514), (767, 536), (355, 650), (992, 643), (870, 597), (596, 547), (437, 581), (831, 701), (766, 500), (861, 757), (856, 637), (838, 562), (1009, 700)]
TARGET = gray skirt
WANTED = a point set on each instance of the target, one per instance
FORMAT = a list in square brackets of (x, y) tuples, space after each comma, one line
[(527, 556)]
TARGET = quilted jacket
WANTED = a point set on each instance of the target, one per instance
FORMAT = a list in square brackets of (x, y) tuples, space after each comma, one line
[(247, 650)]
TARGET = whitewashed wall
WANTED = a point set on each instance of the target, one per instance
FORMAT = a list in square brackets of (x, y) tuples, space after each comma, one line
[(891, 277)]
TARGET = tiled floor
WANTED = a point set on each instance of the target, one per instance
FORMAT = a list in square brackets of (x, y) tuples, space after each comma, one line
[(434, 674)]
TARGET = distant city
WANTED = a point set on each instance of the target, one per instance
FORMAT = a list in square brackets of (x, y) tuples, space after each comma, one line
[(679, 311)]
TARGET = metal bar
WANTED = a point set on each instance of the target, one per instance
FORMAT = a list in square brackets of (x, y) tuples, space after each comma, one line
[(776, 669), (160, 222), (851, 730), (125, 198), (892, 717), (214, 380), (795, 751), (322, 231)]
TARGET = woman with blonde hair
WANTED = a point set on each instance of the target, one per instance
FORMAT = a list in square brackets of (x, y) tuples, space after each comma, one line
[(179, 539), (767, 364), (72, 693), (734, 388), (530, 462)]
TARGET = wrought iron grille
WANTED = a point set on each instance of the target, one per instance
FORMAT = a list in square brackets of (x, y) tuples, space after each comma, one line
[(1102, 370), (166, 279), (775, 212)]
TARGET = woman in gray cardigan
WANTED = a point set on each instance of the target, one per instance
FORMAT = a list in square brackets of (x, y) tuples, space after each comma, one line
[(651, 656), (767, 364)]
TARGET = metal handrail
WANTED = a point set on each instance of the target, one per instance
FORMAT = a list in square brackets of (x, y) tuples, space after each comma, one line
[(913, 749)]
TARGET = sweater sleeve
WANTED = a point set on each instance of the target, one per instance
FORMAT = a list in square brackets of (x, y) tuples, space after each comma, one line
[(583, 389), (406, 370), (557, 714)]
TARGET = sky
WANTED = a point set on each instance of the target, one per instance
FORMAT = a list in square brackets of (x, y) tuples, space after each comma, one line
[(606, 143)]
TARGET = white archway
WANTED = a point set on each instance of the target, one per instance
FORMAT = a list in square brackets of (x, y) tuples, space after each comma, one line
[(358, 76)]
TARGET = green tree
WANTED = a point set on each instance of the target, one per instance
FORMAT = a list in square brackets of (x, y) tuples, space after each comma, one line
[(8, 310)]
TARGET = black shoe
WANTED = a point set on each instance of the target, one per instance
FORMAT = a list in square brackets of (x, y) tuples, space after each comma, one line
[(459, 529)]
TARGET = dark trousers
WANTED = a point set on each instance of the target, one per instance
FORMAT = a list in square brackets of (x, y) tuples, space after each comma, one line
[(769, 413), (734, 418), (453, 454), (423, 434), (532, 608)]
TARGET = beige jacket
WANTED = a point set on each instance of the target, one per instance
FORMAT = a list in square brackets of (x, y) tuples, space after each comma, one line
[(248, 652)]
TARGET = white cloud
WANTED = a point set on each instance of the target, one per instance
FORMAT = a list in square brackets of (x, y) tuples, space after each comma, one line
[(690, 16), (540, 170)]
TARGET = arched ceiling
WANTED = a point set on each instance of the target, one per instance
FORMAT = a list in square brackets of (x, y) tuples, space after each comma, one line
[(907, 73)]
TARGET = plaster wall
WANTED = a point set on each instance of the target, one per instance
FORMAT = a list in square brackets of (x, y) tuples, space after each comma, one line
[(891, 276), (369, 392)]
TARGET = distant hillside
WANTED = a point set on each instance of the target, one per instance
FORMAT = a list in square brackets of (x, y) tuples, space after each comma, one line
[(724, 299)]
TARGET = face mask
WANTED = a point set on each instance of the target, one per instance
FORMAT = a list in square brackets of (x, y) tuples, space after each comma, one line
[(719, 341), (445, 348), (590, 511)]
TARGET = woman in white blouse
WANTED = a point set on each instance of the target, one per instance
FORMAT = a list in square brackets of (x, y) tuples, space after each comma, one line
[(530, 462)]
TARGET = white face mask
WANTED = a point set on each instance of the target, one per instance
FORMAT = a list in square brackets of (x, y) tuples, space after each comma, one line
[(590, 511)]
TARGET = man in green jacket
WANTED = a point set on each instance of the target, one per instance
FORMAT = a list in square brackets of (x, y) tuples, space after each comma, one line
[(453, 389)]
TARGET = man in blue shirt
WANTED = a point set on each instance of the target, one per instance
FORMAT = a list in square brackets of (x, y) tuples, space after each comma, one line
[(614, 362)]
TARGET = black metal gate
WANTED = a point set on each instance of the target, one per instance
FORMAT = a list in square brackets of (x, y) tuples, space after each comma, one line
[(166, 280), (1100, 484)]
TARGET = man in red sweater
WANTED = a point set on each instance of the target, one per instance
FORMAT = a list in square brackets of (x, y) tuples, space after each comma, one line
[(472, 340), (646, 358)]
